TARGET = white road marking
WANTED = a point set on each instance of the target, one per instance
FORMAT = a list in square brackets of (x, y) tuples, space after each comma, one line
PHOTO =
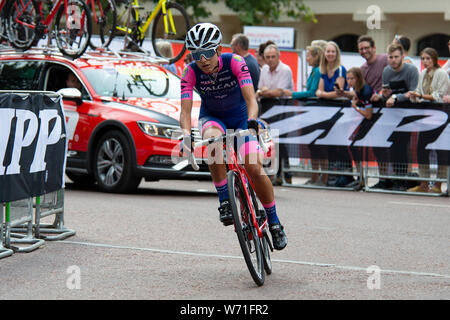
[(420, 204), (316, 264)]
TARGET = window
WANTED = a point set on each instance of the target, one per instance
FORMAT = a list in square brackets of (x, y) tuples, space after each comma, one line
[(347, 42), (57, 79), (20, 75), (439, 42)]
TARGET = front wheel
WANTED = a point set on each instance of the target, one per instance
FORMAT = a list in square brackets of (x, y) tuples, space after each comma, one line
[(73, 28), (174, 35), (112, 165), (21, 24), (246, 232)]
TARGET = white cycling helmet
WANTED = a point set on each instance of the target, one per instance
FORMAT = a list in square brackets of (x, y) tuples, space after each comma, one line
[(203, 36)]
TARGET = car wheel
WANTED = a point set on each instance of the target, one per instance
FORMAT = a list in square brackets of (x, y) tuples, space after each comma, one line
[(112, 166)]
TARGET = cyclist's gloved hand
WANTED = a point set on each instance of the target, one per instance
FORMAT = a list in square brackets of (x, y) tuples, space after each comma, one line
[(253, 124)]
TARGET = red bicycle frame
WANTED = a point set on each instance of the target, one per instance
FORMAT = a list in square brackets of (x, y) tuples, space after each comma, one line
[(234, 165), (49, 17)]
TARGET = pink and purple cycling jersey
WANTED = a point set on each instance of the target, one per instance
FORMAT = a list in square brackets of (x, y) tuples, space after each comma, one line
[(221, 96)]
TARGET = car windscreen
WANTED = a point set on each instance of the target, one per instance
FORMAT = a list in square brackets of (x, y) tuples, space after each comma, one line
[(140, 81)]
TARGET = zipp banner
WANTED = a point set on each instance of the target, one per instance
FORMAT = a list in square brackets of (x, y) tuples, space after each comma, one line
[(33, 146), (405, 133)]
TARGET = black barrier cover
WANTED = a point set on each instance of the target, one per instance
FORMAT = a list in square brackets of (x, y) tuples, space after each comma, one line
[(332, 129), (32, 146)]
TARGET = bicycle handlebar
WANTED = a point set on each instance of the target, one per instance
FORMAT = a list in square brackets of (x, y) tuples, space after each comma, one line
[(191, 158), (240, 133)]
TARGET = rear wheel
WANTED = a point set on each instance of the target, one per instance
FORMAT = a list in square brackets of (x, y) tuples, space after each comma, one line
[(73, 28), (112, 166), (246, 232), (265, 240), (176, 34)]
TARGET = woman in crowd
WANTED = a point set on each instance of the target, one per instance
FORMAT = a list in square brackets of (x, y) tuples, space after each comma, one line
[(332, 73), (332, 85), (360, 100), (433, 86), (314, 55), (406, 44)]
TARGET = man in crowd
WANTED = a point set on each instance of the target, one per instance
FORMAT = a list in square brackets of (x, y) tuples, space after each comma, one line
[(375, 63), (397, 80), (275, 78), (239, 45), (275, 75)]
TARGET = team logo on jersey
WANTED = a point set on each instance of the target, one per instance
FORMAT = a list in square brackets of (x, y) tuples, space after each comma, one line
[(184, 71), (237, 58)]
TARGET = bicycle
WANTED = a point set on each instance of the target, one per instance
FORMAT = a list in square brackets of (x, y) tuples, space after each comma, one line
[(170, 23), (104, 14), (250, 222), (25, 25)]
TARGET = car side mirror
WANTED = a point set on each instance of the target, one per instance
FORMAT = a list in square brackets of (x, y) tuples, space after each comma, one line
[(71, 94)]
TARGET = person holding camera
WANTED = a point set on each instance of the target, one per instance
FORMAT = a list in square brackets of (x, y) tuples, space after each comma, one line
[(398, 80)]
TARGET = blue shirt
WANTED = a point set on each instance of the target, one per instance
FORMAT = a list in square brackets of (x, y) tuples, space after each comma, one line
[(329, 82)]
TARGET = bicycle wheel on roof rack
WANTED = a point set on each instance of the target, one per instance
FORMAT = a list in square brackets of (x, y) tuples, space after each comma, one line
[(104, 23), (22, 18), (176, 33), (73, 28)]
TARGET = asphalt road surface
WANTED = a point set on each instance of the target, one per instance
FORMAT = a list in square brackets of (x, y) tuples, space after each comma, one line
[(165, 241)]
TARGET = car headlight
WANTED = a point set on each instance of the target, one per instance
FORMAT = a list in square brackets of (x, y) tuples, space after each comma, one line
[(160, 130)]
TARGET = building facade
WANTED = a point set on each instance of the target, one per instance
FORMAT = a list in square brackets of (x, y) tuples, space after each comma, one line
[(425, 23)]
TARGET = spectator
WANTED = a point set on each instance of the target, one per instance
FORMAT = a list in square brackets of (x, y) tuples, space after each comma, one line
[(433, 80), (375, 63), (260, 53), (331, 86), (322, 44), (275, 75), (406, 44), (332, 72), (239, 45), (433, 85), (313, 56), (274, 79), (73, 82), (361, 94), (398, 79), (360, 101), (165, 48), (188, 59)]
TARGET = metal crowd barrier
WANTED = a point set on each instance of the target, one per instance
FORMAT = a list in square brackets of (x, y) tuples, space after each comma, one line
[(20, 214), (361, 175), (4, 236), (47, 205), (23, 231)]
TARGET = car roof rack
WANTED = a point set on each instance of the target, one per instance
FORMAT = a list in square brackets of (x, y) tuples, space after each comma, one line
[(102, 54), (98, 54)]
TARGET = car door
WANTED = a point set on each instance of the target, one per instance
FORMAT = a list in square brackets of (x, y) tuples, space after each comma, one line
[(56, 77)]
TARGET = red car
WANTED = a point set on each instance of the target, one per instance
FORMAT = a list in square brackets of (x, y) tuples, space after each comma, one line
[(123, 127)]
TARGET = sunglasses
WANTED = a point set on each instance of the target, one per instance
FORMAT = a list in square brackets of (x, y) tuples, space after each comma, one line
[(208, 54)]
